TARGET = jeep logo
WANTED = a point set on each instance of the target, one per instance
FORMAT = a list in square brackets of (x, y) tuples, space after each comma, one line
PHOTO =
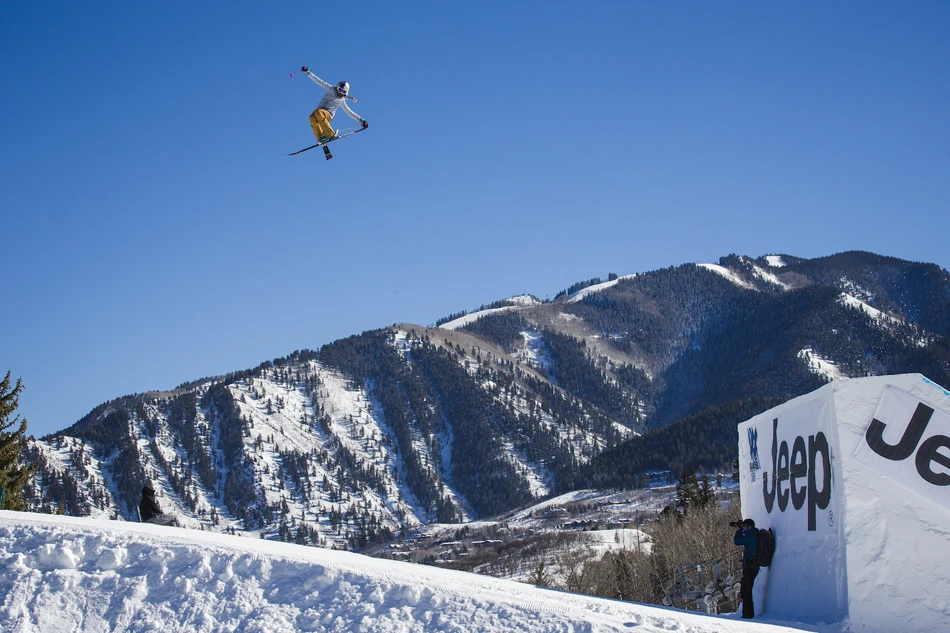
[(794, 475), (927, 455)]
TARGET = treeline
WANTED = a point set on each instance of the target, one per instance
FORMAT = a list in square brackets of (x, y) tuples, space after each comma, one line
[(451, 317), (502, 328), (194, 438), (705, 441), (481, 470), (576, 371), (757, 354), (408, 405), (295, 469), (659, 314), (918, 291), (430, 395), (435, 399), (580, 285), (55, 491), (620, 392), (107, 429), (502, 303), (239, 490)]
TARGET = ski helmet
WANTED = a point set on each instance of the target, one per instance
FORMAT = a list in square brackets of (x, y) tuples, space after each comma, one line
[(342, 89)]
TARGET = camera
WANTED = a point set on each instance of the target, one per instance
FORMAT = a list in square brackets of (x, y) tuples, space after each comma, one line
[(736, 524)]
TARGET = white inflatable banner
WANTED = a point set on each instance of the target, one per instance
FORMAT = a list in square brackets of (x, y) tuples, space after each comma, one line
[(786, 468), (908, 441)]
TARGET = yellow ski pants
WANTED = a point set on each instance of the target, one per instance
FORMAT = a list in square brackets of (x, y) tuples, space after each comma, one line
[(320, 122)]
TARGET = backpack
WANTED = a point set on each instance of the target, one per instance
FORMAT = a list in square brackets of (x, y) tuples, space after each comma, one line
[(766, 547)]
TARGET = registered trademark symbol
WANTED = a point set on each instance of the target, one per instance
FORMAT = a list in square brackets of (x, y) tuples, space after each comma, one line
[(831, 518)]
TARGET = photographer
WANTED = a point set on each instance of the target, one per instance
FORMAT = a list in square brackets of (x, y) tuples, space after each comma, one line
[(747, 537)]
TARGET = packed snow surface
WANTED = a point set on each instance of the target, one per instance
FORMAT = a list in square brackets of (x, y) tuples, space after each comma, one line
[(874, 313), (728, 274), (819, 365), (462, 321), (66, 574), (525, 300), (520, 301), (769, 277), (583, 292)]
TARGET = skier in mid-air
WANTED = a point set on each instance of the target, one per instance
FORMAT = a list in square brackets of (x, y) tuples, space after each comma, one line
[(335, 97)]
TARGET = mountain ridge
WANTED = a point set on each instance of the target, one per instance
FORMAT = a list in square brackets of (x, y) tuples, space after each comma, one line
[(382, 432)]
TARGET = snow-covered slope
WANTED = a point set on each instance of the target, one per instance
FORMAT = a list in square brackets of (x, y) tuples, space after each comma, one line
[(474, 316), (583, 292), (729, 274), (298, 451), (64, 574)]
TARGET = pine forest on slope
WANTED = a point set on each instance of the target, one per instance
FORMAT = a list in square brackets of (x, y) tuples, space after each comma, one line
[(380, 433)]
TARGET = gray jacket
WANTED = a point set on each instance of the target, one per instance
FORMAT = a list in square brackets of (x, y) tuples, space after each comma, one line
[(331, 101)]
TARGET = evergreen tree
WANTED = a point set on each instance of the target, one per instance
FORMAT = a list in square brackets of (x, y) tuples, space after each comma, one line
[(694, 493), (13, 474), (687, 489), (705, 494)]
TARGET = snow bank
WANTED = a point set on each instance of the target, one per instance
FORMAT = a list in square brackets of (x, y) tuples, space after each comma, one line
[(855, 479), (64, 574)]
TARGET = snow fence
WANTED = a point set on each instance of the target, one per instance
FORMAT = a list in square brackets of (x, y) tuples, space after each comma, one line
[(854, 478)]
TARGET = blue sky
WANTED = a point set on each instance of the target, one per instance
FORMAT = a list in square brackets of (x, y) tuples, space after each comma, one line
[(155, 230)]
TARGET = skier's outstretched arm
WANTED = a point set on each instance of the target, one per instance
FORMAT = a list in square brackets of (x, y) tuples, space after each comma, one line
[(316, 79), (350, 113)]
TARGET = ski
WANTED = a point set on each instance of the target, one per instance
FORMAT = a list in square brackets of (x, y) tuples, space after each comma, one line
[(301, 151), (323, 144)]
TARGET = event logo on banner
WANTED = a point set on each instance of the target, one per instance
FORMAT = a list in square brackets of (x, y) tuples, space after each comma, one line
[(788, 459), (908, 441)]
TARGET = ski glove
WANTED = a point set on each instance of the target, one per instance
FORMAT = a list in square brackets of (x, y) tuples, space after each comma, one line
[(365, 124), (304, 69)]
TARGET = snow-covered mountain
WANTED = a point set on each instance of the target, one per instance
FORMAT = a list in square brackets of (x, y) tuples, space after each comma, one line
[(297, 449), (379, 433)]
